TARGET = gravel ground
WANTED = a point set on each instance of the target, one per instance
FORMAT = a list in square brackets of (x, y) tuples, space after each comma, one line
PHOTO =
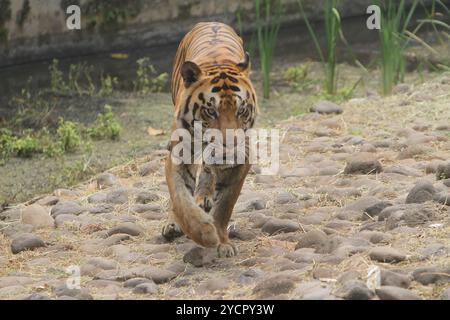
[(359, 210)]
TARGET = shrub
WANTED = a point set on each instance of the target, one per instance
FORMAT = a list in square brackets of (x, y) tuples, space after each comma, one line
[(105, 126), (69, 138)]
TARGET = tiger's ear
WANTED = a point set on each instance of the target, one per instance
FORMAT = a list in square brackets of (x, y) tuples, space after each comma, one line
[(190, 72), (244, 66)]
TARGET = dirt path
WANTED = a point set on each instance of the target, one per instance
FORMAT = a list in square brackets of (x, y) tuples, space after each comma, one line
[(357, 194)]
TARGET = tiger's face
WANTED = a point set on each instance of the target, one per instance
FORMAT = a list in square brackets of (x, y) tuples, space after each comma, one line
[(220, 98)]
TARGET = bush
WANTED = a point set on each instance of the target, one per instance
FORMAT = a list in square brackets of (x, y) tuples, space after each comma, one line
[(27, 146), (7, 143), (105, 126), (69, 138), (146, 78)]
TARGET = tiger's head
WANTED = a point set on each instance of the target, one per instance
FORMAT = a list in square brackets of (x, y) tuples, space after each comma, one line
[(220, 96)]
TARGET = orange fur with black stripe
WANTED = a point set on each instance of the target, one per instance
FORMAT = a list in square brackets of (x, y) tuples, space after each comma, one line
[(210, 83)]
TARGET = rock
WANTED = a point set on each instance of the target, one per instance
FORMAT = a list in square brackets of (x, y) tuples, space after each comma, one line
[(393, 279), (149, 168), (250, 276), (37, 296), (10, 215), (26, 241), (146, 288), (213, 285), (432, 275), (61, 219), (443, 171), (363, 163), (37, 216), (144, 208), (252, 204), (413, 151), (66, 207), (144, 197), (446, 294), (117, 196), (241, 234), (408, 214), (274, 285), (101, 208), (48, 201), (404, 171), (375, 209), (98, 197), (285, 197), (423, 191), (127, 228), (64, 291), (200, 257), (106, 180), (435, 249), (312, 239), (133, 282), (326, 107), (313, 290), (275, 225), (387, 254), (396, 293), (355, 290), (9, 281), (103, 263), (442, 198), (446, 182), (116, 239)]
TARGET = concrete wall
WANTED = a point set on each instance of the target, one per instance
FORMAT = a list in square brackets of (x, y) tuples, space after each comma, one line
[(41, 32)]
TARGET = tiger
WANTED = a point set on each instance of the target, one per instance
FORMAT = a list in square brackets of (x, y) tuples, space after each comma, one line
[(210, 83)]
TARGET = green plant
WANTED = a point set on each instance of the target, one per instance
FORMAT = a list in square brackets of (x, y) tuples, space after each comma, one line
[(27, 146), (57, 83), (7, 143), (332, 31), (69, 139), (268, 13), (297, 76), (147, 79), (107, 85), (105, 126)]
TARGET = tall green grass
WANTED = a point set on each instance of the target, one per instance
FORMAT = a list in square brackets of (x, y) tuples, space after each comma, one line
[(395, 36), (332, 32), (268, 14)]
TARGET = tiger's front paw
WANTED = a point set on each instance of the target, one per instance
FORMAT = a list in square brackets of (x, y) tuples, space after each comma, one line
[(226, 250), (170, 231), (205, 202)]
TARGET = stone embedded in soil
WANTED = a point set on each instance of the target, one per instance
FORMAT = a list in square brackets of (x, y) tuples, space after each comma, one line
[(144, 197), (127, 228), (387, 255), (411, 215), (48, 201), (133, 282), (355, 290), (274, 286), (250, 276), (98, 197), (116, 239), (26, 241), (64, 291), (312, 239), (443, 171), (326, 107), (442, 198), (106, 180), (363, 163), (213, 285), (146, 288), (66, 207), (149, 168), (37, 216), (423, 191), (103, 263), (101, 208), (142, 208), (117, 196), (394, 279), (275, 225), (375, 209), (434, 250), (10, 215), (445, 294), (200, 257), (396, 293), (432, 275), (37, 296), (61, 219), (241, 234), (285, 197)]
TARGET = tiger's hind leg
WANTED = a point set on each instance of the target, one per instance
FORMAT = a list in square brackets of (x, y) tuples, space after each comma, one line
[(204, 190)]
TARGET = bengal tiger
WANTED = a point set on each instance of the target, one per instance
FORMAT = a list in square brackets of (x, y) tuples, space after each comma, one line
[(210, 83)]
